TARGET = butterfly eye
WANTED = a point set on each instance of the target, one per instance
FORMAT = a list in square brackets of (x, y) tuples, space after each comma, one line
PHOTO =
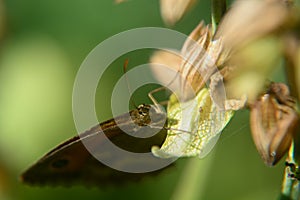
[(141, 113), (60, 163)]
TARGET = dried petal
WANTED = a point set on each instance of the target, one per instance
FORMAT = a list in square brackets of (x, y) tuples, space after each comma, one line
[(273, 124), (165, 66), (292, 57), (201, 56), (119, 1), (254, 64), (173, 10), (251, 19)]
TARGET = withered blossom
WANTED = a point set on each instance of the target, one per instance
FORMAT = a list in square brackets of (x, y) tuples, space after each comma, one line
[(248, 20), (249, 43), (201, 55), (274, 122), (199, 58), (255, 35), (253, 32), (252, 67), (173, 10), (171, 64), (268, 33), (292, 55), (195, 122), (119, 1)]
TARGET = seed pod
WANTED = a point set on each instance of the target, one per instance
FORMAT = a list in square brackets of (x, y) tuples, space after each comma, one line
[(273, 120)]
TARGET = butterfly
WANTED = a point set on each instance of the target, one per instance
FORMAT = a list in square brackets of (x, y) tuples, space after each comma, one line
[(188, 134), (181, 135), (71, 163)]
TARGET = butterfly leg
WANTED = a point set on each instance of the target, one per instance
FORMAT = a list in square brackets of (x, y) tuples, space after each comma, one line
[(152, 98)]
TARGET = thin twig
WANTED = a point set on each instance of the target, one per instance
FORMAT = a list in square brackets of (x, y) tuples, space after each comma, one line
[(290, 185)]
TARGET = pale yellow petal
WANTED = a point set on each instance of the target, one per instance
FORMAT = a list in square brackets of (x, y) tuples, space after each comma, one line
[(173, 10), (119, 1), (250, 19), (255, 63), (165, 66), (194, 127)]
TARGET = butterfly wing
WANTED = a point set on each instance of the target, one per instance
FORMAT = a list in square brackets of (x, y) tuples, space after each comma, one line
[(71, 163)]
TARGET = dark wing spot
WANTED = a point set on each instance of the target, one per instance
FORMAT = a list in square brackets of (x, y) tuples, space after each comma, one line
[(60, 163)]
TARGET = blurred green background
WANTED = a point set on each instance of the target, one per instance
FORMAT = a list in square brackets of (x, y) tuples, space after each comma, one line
[(42, 46)]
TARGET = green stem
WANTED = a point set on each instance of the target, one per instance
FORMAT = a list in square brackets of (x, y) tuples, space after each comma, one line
[(291, 185), (192, 183), (218, 9), (291, 180)]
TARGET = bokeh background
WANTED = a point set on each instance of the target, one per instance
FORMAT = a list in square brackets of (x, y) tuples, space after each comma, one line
[(42, 46)]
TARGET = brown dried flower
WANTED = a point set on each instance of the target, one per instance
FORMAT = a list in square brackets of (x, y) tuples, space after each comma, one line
[(273, 120)]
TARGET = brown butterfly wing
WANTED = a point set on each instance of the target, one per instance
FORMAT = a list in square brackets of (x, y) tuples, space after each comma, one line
[(71, 163)]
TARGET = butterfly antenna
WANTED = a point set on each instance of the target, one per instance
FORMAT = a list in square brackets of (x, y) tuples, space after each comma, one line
[(125, 65)]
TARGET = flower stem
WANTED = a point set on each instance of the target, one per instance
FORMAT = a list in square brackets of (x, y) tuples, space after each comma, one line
[(192, 183), (291, 184), (218, 9)]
